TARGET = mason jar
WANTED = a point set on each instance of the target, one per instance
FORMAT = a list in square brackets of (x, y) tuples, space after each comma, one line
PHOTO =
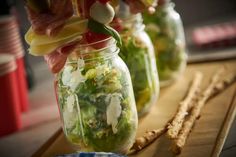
[(96, 99), (138, 53), (165, 29)]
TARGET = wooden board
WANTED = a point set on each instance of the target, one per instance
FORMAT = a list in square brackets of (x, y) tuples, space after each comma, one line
[(208, 135)]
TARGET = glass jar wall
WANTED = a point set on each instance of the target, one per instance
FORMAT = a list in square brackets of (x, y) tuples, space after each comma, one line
[(138, 53), (96, 100), (166, 32)]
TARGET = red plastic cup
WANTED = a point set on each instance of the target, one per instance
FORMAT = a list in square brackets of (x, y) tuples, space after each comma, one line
[(10, 43), (10, 113)]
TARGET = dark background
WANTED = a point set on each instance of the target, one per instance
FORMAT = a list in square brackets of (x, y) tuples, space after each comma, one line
[(196, 12)]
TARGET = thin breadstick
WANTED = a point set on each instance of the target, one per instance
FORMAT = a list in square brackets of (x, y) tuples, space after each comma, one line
[(150, 136), (179, 142), (147, 139), (226, 82), (175, 126)]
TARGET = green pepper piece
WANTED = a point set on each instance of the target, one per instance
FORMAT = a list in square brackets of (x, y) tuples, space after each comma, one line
[(103, 29)]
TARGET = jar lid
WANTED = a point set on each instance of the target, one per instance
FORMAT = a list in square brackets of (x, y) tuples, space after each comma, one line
[(7, 64)]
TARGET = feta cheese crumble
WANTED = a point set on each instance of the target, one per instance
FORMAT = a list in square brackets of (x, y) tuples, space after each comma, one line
[(113, 111), (73, 78)]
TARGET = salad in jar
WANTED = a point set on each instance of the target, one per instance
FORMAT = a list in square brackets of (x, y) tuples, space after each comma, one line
[(145, 81), (96, 104), (166, 32), (138, 53)]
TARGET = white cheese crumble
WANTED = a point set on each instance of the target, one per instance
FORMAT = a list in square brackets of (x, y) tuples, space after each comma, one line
[(113, 111), (69, 114), (66, 75), (73, 78)]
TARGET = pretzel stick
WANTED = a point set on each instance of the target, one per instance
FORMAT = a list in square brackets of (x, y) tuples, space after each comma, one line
[(150, 136), (195, 113), (175, 126)]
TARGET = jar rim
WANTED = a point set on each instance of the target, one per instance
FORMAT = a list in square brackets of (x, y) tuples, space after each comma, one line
[(106, 48), (97, 42)]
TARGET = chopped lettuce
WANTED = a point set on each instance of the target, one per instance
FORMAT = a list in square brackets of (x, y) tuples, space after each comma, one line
[(136, 54), (99, 112), (166, 32)]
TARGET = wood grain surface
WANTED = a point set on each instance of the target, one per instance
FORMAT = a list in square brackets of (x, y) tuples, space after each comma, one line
[(208, 134)]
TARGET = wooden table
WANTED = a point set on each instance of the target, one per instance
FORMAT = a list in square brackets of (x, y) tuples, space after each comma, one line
[(209, 133)]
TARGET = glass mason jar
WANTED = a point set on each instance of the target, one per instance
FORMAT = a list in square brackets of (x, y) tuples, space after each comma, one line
[(138, 53), (166, 32), (96, 100)]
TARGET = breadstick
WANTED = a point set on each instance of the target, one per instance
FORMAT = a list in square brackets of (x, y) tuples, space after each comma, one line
[(147, 139), (175, 126), (196, 110), (226, 82)]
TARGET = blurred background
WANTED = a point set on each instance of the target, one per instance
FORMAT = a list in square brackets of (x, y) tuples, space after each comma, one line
[(42, 118), (202, 12)]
